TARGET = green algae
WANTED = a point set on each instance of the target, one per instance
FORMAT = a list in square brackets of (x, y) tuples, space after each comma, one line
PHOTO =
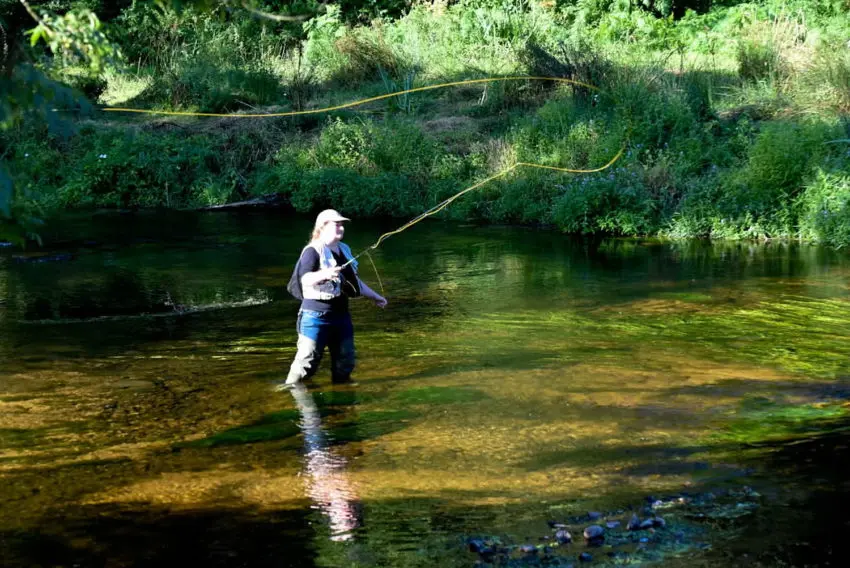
[(761, 420), (513, 375), (438, 395), (275, 426), (20, 437)]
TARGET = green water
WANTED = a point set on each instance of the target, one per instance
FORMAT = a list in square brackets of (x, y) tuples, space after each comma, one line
[(517, 376)]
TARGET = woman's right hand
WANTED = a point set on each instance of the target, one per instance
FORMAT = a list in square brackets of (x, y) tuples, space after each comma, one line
[(326, 274)]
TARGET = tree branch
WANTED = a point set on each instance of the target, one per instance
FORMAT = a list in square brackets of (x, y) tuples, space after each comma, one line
[(274, 17), (35, 16)]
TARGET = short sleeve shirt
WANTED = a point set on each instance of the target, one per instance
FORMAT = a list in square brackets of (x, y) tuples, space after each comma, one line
[(310, 262)]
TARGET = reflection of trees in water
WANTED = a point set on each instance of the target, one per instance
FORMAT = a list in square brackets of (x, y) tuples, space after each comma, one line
[(327, 479), (118, 293)]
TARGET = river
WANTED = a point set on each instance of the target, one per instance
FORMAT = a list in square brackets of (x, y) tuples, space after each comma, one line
[(519, 379)]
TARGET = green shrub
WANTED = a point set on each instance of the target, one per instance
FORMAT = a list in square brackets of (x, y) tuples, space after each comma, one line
[(369, 148), (113, 169), (346, 145), (783, 154), (366, 55), (612, 202), (833, 70), (699, 213), (382, 194), (208, 88), (824, 207), (759, 60), (654, 107), (567, 133), (401, 146)]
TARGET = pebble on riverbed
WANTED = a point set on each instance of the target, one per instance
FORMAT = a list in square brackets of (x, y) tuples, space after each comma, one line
[(626, 540), (594, 535)]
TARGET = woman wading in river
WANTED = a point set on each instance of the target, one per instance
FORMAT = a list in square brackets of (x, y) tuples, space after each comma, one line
[(324, 288)]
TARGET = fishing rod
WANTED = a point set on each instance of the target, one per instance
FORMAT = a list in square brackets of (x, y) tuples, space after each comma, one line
[(446, 202)]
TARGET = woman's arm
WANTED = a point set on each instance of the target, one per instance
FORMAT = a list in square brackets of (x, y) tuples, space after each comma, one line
[(379, 300), (310, 271), (319, 276)]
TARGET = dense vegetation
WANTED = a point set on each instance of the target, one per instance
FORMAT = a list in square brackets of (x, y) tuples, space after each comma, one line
[(735, 116)]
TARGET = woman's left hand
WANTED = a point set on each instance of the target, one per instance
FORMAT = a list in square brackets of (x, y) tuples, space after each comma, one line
[(380, 301)]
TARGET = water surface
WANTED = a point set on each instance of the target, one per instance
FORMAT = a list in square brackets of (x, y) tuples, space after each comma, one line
[(517, 376)]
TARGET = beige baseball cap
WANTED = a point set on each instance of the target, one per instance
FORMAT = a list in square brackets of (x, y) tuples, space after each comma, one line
[(329, 215)]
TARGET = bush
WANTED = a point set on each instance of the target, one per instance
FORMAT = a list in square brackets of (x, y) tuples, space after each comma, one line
[(782, 156), (213, 89), (759, 60), (579, 61), (368, 147), (382, 194), (367, 55), (613, 202), (833, 71), (824, 207), (114, 169), (346, 145), (655, 108)]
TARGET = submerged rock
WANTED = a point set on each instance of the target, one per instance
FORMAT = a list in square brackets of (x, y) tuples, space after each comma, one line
[(528, 549), (594, 535), (594, 531), (43, 257)]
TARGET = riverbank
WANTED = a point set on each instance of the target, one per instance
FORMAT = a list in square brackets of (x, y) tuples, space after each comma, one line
[(734, 122)]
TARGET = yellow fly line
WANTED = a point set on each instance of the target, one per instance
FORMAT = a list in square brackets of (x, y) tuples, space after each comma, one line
[(354, 103), (440, 206), (445, 203)]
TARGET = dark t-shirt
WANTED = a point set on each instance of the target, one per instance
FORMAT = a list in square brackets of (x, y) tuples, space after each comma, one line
[(310, 262)]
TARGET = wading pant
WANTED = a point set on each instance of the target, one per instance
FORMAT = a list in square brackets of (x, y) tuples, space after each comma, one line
[(317, 330)]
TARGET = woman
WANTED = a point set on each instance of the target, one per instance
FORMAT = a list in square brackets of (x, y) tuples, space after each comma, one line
[(324, 288)]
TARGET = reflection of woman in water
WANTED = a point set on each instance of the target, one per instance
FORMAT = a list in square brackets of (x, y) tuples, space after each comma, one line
[(327, 481)]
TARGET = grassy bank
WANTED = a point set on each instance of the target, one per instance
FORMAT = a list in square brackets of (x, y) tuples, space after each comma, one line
[(735, 121)]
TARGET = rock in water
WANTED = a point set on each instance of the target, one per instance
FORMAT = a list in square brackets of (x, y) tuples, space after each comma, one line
[(593, 531)]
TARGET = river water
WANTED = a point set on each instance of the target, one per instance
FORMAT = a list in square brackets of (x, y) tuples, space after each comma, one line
[(518, 378)]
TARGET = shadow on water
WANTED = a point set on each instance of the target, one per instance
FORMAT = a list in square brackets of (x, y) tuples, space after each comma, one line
[(101, 536), (809, 526), (338, 529)]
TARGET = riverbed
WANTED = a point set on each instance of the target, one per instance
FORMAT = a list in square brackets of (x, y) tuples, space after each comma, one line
[(518, 379)]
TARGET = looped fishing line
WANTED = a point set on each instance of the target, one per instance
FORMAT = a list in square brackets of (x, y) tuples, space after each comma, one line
[(443, 204), (354, 103)]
